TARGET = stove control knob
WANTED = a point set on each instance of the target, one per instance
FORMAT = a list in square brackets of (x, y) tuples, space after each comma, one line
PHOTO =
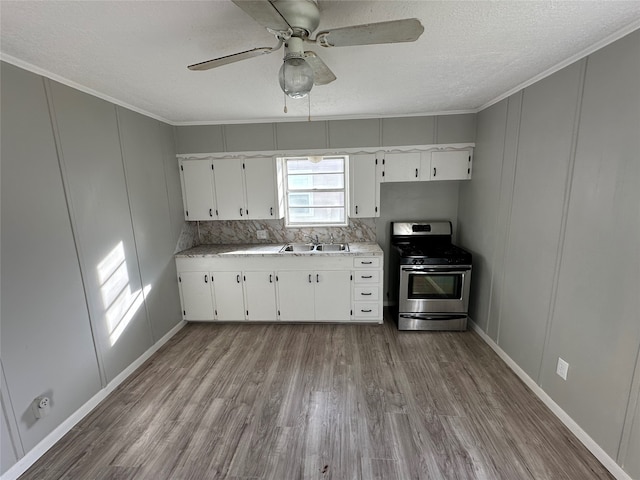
[(415, 261), (422, 261)]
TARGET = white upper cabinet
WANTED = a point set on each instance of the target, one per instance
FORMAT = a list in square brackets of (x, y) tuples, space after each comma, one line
[(364, 186), (262, 200), (401, 167), (230, 189), (450, 165), (198, 189), (227, 174)]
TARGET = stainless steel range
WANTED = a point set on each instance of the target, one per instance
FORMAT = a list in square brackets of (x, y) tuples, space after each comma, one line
[(433, 276)]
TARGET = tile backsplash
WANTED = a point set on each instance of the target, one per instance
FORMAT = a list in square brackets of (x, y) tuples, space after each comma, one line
[(245, 231)]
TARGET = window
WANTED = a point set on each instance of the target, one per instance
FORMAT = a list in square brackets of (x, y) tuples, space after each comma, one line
[(315, 192)]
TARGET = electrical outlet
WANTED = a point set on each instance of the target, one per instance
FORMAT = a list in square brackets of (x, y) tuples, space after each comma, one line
[(562, 369), (262, 234), (41, 406)]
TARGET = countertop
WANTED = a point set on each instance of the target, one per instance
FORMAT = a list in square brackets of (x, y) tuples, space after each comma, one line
[(270, 249)]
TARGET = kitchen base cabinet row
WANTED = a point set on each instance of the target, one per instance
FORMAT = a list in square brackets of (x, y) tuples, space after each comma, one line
[(348, 294)]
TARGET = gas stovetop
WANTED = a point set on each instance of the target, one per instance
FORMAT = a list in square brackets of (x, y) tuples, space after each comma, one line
[(427, 243), (442, 254)]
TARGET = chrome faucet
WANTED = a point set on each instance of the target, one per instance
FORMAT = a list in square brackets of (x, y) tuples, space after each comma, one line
[(315, 241)]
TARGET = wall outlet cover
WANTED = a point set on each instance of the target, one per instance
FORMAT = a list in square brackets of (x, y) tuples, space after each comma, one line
[(562, 369), (262, 234)]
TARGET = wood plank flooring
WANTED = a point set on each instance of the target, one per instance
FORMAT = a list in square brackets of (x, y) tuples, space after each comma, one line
[(320, 402)]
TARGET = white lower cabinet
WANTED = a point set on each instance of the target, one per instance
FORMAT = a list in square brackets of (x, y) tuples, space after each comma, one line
[(332, 295), (305, 289), (228, 294), (196, 295), (260, 296), (367, 288), (296, 296)]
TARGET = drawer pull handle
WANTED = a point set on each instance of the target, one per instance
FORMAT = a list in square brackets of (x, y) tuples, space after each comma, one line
[(238, 278), (365, 311), (270, 278), (366, 276), (206, 279), (317, 278), (309, 278), (366, 263), (366, 294)]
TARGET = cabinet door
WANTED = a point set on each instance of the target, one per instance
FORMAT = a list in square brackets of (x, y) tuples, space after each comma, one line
[(198, 190), (296, 296), (402, 167), (260, 188), (365, 188), (227, 173), (196, 295), (227, 288), (260, 296), (451, 165), (333, 295)]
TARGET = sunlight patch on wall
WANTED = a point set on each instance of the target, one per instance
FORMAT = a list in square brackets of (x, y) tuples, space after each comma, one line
[(120, 303)]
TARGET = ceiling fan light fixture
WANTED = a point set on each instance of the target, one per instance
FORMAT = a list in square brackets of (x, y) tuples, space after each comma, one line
[(296, 76)]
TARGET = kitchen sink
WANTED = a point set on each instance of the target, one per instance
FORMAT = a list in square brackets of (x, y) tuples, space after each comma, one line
[(309, 247), (298, 247), (333, 247)]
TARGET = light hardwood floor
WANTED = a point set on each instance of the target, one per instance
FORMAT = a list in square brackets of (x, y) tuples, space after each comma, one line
[(320, 402)]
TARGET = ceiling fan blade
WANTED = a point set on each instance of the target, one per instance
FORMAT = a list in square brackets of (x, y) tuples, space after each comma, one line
[(263, 12), (394, 31), (321, 73), (236, 57)]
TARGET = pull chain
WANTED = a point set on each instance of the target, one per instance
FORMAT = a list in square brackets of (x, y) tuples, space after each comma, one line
[(285, 103), (309, 104)]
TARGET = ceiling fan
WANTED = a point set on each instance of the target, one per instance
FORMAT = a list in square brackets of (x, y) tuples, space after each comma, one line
[(292, 22)]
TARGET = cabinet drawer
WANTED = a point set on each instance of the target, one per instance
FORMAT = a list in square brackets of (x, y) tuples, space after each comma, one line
[(366, 262), (366, 310), (363, 276), (366, 293)]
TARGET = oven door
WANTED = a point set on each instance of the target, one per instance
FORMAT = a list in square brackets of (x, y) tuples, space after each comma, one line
[(434, 289)]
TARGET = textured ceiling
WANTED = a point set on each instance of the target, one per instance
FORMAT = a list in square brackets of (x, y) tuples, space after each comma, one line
[(136, 52)]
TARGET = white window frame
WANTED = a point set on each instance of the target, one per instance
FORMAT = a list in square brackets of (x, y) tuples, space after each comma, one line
[(344, 190)]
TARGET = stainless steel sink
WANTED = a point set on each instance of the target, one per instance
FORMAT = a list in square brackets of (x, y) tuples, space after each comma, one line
[(297, 247), (333, 247)]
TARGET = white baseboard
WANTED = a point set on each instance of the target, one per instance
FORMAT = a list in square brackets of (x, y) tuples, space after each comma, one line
[(597, 451), (46, 443)]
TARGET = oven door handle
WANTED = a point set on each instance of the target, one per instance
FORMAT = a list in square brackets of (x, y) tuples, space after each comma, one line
[(437, 270), (433, 317)]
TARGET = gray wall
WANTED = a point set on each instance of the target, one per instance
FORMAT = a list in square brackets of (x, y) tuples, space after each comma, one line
[(327, 134), (553, 217), (79, 177)]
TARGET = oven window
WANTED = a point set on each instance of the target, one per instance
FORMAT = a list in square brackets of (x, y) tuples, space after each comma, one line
[(435, 287)]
